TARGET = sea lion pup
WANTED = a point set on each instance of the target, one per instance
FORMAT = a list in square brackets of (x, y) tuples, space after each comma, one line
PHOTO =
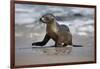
[(59, 33)]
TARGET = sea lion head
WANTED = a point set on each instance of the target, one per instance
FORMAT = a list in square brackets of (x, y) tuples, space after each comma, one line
[(47, 18)]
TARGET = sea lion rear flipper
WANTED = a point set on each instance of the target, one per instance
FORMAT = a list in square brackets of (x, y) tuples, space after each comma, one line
[(77, 45)]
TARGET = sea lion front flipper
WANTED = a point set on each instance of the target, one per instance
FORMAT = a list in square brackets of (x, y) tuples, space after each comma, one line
[(45, 40)]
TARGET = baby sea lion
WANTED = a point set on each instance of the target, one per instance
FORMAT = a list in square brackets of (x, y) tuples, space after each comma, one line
[(59, 33)]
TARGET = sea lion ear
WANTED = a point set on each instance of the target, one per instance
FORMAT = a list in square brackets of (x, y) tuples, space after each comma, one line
[(53, 16)]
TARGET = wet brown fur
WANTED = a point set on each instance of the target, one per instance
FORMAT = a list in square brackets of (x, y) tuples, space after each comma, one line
[(59, 33)]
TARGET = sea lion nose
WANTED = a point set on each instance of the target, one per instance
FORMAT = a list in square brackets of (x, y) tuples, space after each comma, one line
[(41, 19)]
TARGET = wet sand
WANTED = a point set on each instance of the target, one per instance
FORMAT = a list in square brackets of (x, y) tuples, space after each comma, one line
[(26, 55)]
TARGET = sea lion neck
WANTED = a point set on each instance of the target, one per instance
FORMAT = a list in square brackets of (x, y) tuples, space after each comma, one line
[(52, 24), (52, 27)]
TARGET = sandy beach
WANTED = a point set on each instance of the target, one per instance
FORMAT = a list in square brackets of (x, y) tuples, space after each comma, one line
[(26, 55)]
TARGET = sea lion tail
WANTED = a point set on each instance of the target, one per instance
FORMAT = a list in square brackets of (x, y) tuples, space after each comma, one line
[(77, 45)]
